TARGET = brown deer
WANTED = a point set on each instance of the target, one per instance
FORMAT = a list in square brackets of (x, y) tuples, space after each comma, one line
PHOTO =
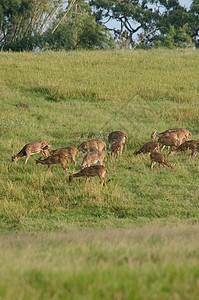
[(117, 148), (117, 136), (160, 159), (52, 160), (92, 171), (67, 151), (92, 145), (93, 158), (32, 148), (169, 141), (180, 133), (187, 145), (148, 147)]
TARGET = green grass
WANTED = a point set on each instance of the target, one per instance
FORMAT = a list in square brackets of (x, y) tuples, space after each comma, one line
[(85, 241), (67, 98), (142, 263)]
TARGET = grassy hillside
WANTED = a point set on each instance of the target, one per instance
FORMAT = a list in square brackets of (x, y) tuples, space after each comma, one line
[(135, 238), (67, 98)]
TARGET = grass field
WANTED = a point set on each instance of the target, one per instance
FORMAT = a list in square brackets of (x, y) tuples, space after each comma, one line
[(65, 99)]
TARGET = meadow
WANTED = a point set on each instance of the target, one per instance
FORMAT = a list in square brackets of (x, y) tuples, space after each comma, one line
[(137, 236)]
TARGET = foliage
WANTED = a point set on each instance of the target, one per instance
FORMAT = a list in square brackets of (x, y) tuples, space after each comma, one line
[(78, 31), (151, 23)]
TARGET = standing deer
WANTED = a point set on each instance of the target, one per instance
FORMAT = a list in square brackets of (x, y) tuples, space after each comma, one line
[(92, 171), (160, 159), (116, 149), (32, 148), (67, 151), (167, 140), (93, 158), (52, 160), (188, 145), (148, 147), (117, 136), (92, 145)]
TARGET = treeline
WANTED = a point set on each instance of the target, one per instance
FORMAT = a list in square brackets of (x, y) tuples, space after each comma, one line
[(27, 25)]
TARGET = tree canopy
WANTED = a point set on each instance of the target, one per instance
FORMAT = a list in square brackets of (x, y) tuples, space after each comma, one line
[(81, 24)]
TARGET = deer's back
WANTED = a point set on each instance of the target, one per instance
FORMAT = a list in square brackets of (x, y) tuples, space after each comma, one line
[(92, 171), (116, 136), (92, 144), (36, 146)]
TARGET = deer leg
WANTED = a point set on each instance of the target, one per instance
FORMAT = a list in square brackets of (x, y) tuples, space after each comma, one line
[(162, 148), (64, 166), (45, 153), (27, 158), (102, 177), (152, 164), (185, 152), (49, 167), (86, 179), (159, 166)]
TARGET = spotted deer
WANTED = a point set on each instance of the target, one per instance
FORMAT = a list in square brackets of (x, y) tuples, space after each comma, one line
[(187, 145), (67, 151), (117, 136), (92, 145), (179, 133), (93, 158), (169, 141), (117, 148), (160, 159), (52, 160), (92, 171), (32, 148), (148, 147)]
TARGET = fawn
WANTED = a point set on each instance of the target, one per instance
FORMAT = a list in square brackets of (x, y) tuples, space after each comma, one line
[(92, 145), (52, 160), (92, 171), (93, 158), (148, 147), (67, 151), (117, 136), (32, 148), (116, 148), (188, 145), (160, 159)]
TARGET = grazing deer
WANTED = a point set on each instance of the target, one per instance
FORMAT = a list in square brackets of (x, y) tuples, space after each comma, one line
[(180, 133), (116, 148), (188, 145), (93, 158), (92, 171), (32, 148), (92, 145), (67, 151), (52, 160), (169, 141), (148, 147), (117, 136), (160, 159)]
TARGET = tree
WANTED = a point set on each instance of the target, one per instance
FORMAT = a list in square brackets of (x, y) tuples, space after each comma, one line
[(150, 23), (132, 15), (22, 22), (78, 31)]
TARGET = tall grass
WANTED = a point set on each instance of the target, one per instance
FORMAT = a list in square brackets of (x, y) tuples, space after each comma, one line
[(67, 98), (149, 262)]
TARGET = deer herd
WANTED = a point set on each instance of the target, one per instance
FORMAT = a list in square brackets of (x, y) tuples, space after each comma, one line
[(175, 139)]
